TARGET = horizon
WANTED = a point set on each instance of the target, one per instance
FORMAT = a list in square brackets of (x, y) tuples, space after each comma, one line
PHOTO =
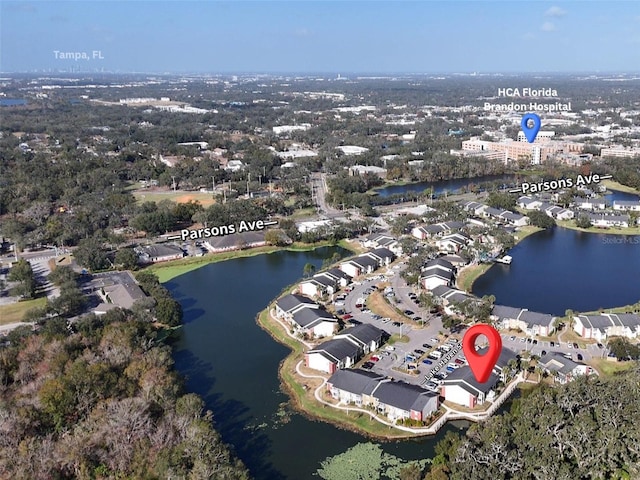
[(320, 37)]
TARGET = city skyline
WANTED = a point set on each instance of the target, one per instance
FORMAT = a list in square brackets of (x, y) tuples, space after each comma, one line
[(321, 37)]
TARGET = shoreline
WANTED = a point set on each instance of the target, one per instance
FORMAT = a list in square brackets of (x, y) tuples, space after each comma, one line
[(629, 231), (619, 187), (167, 271), (469, 274)]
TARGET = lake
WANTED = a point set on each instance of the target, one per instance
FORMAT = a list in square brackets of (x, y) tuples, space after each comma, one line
[(449, 186), (233, 364), (561, 269)]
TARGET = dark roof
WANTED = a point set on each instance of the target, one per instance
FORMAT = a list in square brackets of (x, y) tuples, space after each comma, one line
[(366, 333), (440, 262), (558, 362), (355, 380), (464, 376), (400, 394), (382, 252), (306, 317), (503, 312), (336, 272), (535, 318), (438, 271), (291, 301), (506, 355), (364, 261), (322, 280), (596, 321), (441, 290), (236, 240), (338, 348), (160, 250)]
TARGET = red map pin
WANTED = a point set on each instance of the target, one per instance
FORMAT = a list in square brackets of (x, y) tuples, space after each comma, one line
[(482, 365)]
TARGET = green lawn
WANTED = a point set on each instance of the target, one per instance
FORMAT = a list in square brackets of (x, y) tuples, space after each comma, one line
[(169, 270), (607, 367), (612, 231), (613, 185), (14, 312)]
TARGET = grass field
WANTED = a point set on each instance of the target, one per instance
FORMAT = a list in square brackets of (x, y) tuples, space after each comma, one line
[(612, 185), (14, 312), (169, 270), (470, 274), (178, 196), (606, 367), (611, 231)]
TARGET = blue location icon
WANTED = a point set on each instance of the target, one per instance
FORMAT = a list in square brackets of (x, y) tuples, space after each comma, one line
[(530, 132)]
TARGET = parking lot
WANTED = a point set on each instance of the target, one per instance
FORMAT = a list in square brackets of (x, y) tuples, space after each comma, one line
[(430, 354)]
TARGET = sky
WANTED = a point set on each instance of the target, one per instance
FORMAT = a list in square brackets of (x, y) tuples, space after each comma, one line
[(439, 36)]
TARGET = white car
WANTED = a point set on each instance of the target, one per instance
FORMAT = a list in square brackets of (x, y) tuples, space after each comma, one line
[(389, 348)]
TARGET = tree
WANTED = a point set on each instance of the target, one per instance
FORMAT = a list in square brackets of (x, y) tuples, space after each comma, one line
[(62, 274), (308, 269), (275, 236), (90, 255), (126, 258), (540, 219), (505, 201), (22, 273), (168, 311), (583, 221)]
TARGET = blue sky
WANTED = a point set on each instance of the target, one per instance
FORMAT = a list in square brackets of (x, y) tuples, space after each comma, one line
[(323, 36)]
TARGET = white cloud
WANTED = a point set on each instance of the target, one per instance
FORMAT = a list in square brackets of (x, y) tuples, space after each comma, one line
[(555, 12), (548, 27)]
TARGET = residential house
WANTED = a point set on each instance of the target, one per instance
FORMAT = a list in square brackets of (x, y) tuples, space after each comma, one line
[(315, 322), (436, 230), (561, 367), (235, 241), (377, 240), (288, 305), (360, 265), (119, 289), (400, 401), (462, 388), (437, 272), (367, 337), (449, 298), (318, 286), (453, 243), (606, 221), (532, 323), (383, 256), (353, 385), (627, 205), (501, 368), (333, 355), (600, 327), (589, 203), (158, 253)]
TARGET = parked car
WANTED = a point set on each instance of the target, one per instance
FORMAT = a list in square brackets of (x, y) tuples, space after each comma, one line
[(426, 345), (459, 361), (600, 345), (575, 345), (427, 362), (419, 352), (579, 356), (367, 365), (408, 313), (389, 348), (354, 322), (512, 338), (374, 358), (347, 316), (553, 344)]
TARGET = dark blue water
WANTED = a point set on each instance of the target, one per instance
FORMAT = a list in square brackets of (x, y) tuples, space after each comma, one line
[(561, 269), (620, 196), (449, 186), (12, 102), (233, 365)]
